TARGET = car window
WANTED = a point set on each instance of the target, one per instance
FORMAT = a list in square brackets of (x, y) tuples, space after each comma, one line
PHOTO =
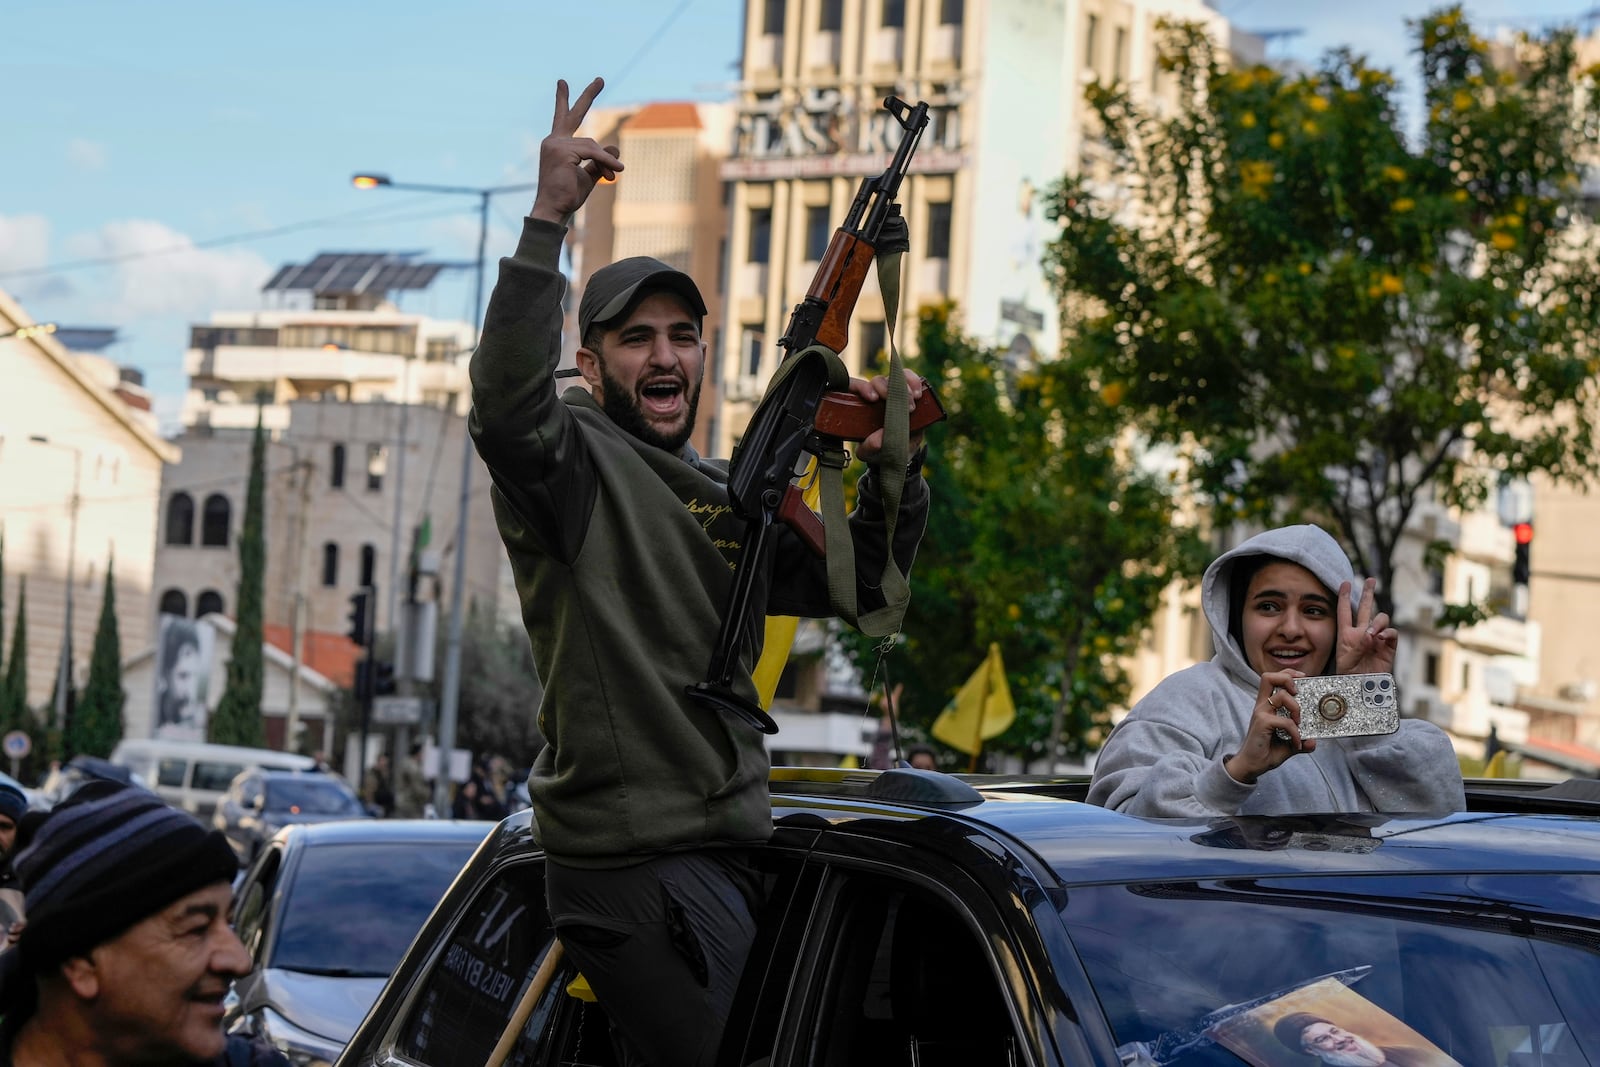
[(903, 979), (1494, 970), (467, 999), (211, 774), (790, 890), (311, 796), (170, 772), (353, 909), (252, 901)]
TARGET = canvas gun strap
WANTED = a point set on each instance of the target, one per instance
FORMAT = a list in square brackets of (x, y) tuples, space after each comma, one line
[(891, 470)]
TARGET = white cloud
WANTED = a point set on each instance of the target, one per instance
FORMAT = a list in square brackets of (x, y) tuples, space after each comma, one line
[(85, 154), (162, 273), (24, 242)]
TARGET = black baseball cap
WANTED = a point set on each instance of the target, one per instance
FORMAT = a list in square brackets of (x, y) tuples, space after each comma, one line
[(615, 288)]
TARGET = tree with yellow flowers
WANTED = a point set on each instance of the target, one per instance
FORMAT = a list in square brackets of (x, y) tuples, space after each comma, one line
[(1334, 322), (1046, 539)]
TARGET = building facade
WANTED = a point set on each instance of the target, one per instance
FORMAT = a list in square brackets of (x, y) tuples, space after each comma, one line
[(80, 488), (1004, 82), (365, 411)]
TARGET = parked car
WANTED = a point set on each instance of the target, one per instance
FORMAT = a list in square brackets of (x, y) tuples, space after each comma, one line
[(261, 802), (918, 918), (326, 912), (193, 775)]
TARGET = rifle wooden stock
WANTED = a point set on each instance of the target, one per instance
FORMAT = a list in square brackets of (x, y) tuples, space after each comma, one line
[(846, 417), (838, 282)]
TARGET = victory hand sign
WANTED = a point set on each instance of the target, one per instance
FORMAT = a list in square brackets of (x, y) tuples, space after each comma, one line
[(569, 166)]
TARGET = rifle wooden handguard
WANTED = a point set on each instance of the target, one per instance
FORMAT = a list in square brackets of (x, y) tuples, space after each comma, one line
[(847, 417)]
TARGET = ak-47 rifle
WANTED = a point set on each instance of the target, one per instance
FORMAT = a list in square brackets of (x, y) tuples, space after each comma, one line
[(808, 411)]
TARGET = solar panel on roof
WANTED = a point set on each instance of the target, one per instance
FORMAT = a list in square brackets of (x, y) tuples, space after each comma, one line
[(340, 273)]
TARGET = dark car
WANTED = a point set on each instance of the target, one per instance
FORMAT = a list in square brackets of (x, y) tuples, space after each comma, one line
[(260, 802), (916, 918), (326, 912)]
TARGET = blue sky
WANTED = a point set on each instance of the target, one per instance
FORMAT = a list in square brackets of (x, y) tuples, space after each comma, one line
[(137, 128)]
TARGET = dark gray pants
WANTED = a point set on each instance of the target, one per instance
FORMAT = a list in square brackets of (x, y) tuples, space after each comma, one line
[(662, 944)]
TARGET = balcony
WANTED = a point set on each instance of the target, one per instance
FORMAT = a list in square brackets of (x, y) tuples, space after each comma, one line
[(243, 363), (822, 50), (1502, 635), (1484, 539), (767, 55), (945, 47), (888, 46)]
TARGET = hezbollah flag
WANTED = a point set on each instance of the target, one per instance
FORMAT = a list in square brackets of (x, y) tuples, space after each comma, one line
[(981, 709), (781, 628)]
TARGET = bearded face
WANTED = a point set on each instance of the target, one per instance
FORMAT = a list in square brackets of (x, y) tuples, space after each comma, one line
[(628, 407), (646, 371), (1340, 1048)]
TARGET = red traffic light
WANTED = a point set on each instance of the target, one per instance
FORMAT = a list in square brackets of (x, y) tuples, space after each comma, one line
[(1523, 532)]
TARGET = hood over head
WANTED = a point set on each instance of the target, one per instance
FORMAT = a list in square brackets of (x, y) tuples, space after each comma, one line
[(1309, 546)]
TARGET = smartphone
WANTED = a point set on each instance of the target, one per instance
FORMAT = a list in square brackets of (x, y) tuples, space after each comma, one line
[(1347, 705)]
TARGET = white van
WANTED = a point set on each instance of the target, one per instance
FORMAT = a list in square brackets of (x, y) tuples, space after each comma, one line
[(193, 775)]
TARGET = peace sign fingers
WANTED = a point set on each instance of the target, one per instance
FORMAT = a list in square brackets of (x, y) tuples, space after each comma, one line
[(568, 119)]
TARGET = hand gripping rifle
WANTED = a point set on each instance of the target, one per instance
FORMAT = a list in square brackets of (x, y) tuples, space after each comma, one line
[(808, 411)]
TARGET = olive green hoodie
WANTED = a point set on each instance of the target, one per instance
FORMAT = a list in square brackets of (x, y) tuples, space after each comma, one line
[(622, 554)]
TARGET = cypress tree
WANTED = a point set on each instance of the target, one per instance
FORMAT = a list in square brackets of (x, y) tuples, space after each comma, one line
[(14, 695), (96, 724), (238, 717)]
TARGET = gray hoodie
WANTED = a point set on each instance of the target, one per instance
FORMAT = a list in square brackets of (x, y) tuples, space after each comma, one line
[(1165, 759)]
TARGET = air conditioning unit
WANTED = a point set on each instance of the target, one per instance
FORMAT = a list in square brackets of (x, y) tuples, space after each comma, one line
[(1583, 690)]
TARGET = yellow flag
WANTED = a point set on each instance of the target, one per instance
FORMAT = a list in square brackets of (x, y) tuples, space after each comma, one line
[(1496, 767), (781, 629), (982, 708)]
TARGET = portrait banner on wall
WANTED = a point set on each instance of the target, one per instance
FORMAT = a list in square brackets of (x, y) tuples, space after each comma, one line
[(1326, 1022), (184, 654)]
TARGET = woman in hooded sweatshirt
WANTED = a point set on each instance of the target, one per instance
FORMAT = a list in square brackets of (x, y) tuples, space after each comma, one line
[(1208, 740)]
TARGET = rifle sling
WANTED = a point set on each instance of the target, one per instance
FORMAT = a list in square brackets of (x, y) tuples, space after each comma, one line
[(891, 468)]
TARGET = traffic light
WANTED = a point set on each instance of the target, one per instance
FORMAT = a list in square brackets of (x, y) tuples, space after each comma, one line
[(382, 677), (1523, 532), (374, 677), (361, 617)]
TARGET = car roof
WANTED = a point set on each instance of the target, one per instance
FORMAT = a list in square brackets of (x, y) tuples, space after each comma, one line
[(1510, 830), (367, 831)]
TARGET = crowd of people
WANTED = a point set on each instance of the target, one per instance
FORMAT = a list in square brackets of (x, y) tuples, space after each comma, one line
[(406, 793)]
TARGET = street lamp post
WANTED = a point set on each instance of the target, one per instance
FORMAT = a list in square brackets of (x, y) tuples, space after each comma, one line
[(450, 692), (64, 671)]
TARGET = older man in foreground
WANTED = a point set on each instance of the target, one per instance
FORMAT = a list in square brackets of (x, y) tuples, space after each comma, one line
[(127, 952)]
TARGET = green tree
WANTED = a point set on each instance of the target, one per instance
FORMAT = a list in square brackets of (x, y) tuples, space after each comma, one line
[(1331, 322), (237, 720), (500, 691), (14, 698), (1046, 535), (96, 724)]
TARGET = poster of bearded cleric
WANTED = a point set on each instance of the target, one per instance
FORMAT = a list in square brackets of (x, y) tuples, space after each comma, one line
[(1326, 1023), (184, 654)]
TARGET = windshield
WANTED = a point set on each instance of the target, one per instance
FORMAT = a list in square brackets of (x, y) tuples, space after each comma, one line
[(1494, 970), (352, 910), (311, 796)]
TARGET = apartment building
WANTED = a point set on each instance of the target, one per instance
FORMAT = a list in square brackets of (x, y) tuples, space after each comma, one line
[(364, 405), (1004, 80)]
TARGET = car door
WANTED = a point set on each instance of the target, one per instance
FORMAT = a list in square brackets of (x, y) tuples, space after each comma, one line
[(923, 953), (253, 904)]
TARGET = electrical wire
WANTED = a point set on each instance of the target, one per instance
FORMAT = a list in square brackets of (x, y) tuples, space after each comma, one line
[(389, 209)]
